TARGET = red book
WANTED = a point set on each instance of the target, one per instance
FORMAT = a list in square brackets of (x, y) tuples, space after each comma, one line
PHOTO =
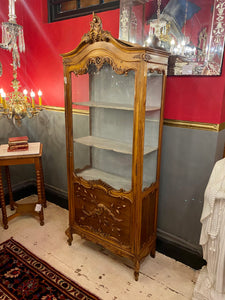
[(17, 149), (18, 138)]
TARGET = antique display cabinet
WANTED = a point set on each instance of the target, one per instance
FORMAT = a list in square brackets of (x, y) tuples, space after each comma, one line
[(114, 143)]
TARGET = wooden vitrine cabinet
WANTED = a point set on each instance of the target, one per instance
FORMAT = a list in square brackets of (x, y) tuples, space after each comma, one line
[(114, 142)]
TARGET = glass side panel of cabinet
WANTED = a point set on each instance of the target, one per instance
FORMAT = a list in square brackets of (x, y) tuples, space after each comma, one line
[(152, 126), (103, 139)]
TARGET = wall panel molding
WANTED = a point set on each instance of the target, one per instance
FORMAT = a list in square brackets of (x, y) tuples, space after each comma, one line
[(167, 122), (62, 109), (194, 125)]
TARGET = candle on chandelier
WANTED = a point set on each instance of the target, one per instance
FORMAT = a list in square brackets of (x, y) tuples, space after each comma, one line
[(32, 94), (1, 91), (3, 95), (39, 96), (25, 92), (12, 8)]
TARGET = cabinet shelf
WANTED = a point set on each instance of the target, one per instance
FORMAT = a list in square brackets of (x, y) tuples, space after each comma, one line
[(108, 144), (117, 182), (113, 105)]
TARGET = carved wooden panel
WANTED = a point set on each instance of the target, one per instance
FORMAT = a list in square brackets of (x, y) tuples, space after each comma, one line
[(103, 214), (148, 217)]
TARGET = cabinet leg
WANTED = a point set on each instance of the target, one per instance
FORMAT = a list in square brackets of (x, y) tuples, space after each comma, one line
[(152, 252), (70, 236), (136, 269), (69, 241), (2, 199)]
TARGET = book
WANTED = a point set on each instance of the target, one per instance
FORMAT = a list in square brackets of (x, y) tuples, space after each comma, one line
[(24, 148), (18, 143), (18, 138), (18, 146)]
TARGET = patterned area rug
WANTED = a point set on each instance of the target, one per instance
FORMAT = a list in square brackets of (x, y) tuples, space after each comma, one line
[(25, 276)]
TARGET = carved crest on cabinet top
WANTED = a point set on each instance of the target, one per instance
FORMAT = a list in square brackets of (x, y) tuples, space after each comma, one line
[(96, 32)]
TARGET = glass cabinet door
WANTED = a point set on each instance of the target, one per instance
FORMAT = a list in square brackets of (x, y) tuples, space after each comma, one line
[(103, 137), (152, 127)]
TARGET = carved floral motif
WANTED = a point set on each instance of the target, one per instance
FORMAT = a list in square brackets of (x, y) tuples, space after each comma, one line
[(99, 62), (104, 218), (147, 57), (106, 188)]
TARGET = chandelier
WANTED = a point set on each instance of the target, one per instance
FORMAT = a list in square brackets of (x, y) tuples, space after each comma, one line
[(158, 29), (183, 48), (16, 105), (11, 33)]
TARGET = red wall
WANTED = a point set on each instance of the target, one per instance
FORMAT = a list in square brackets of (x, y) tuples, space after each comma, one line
[(198, 99)]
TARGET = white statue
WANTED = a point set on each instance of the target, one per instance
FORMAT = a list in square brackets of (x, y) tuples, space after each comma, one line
[(210, 284)]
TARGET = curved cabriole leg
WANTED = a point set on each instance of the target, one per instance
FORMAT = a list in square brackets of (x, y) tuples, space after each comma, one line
[(39, 191), (136, 269), (2, 199), (70, 236), (69, 241)]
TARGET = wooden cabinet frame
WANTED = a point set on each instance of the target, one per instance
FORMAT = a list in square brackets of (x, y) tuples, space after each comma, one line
[(121, 220)]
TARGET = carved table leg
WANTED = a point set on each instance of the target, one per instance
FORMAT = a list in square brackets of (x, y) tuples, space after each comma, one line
[(42, 186), (2, 199), (39, 191), (11, 201)]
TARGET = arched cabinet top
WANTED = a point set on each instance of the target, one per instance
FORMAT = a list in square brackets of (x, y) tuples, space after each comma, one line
[(99, 47)]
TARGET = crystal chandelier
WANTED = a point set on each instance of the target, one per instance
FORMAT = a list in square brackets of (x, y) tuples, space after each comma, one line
[(158, 29), (16, 105), (183, 48), (11, 32)]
